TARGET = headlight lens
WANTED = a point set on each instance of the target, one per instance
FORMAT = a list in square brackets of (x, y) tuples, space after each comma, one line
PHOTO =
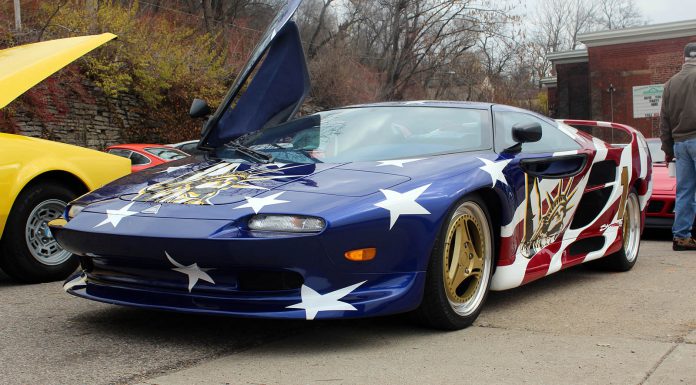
[(286, 223), (74, 210)]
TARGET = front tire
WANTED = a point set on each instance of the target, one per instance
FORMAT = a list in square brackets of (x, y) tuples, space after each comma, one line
[(28, 252), (460, 269)]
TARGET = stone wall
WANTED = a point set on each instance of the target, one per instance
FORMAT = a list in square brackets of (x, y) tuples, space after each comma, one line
[(91, 120)]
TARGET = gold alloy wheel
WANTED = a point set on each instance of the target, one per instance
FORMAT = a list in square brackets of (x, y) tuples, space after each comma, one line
[(467, 258)]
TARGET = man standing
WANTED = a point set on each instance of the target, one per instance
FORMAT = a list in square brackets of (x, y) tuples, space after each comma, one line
[(678, 135)]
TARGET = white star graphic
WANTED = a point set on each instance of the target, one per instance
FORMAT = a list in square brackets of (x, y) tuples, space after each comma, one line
[(396, 162), (114, 216), (313, 302), (80, 280), (193, 271), (257, 204), (402, 203), (495, 169), (170, 170)]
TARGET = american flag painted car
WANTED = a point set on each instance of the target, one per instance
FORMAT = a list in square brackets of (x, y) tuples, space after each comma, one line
[(358, 211)]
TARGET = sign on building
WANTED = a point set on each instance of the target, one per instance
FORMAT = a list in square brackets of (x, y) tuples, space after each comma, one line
[(647, 101)]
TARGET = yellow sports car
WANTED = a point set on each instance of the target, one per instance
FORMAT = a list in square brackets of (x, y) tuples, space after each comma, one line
[(38, 177)]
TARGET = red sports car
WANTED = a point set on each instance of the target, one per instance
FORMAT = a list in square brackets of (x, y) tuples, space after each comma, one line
[(144, 156), (660, 211)]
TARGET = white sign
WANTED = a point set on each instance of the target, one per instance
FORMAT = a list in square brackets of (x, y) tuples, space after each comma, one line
[(647, 101)]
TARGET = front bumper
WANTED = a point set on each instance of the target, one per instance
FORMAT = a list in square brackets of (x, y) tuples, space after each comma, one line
[(282, 277), (659, 214), (388, 294)]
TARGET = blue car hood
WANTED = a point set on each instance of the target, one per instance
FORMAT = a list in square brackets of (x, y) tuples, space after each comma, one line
[(269, 89), (201, 181)]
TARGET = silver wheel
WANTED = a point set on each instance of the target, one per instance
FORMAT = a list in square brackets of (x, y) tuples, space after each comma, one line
[(42, 246), (631, 228), (467, 258)]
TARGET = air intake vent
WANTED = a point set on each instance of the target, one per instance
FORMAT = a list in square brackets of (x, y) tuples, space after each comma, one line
[(602, 173), (590, 207)]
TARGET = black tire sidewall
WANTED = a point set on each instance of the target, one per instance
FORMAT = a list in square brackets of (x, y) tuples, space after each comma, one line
[(16, 259)]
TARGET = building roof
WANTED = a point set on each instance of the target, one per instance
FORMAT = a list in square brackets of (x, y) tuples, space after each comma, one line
[(638, 34), (549, 82), (567, 57)]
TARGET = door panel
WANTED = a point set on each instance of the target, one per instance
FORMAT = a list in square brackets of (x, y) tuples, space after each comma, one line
[(548, 186)]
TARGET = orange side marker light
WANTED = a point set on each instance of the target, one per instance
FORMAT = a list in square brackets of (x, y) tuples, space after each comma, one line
[(361, 255)]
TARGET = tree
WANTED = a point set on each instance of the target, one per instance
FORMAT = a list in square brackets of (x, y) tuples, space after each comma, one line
[(413, 39), (618, 14), (559, 23)]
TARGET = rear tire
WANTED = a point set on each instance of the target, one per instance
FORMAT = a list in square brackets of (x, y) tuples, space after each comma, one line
[(28, 252), (460, 268), (625, 259)]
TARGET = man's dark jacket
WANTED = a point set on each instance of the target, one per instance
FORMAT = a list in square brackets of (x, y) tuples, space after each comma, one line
[(678, 113)]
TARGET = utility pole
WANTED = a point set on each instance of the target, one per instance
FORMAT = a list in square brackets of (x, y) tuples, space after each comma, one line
[(611, 91), (18, 15)]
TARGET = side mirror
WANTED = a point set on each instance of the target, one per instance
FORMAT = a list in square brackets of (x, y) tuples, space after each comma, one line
[(526, 132), (199, 109)]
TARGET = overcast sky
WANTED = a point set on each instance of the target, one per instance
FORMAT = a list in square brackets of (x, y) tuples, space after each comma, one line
[(664, 11), (657, 11)]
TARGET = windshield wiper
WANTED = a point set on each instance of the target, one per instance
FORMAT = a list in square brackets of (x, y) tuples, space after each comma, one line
[(259, 156)]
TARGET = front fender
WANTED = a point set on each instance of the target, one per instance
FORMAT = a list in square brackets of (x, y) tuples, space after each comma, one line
[(24, 159)]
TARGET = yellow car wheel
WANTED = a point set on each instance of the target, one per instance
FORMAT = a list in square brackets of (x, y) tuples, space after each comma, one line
[(460, 268), (29, 253)]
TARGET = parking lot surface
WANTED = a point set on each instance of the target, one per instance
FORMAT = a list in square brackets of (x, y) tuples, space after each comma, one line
[(577, 326)]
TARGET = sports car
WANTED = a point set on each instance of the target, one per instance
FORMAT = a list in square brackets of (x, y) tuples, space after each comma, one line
[(144, 156), (660, 211), (358, 211), (38, 177), (190, 147)]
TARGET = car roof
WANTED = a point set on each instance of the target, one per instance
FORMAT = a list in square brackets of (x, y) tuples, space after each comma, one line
[(426, 103), (450, 104), (139, 146), (184, 142)]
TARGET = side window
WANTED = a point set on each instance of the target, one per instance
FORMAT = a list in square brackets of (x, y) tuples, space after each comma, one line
[(552, 139), (119, 152), (138, 159)]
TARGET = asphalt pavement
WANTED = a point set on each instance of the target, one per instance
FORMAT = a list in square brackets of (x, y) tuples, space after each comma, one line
[(578, 326)]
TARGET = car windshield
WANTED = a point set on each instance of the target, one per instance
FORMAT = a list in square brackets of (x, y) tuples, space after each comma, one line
[(372, 133), (656, 152), (166, 153)]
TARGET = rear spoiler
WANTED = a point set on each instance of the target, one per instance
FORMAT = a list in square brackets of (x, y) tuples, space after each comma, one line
[(632, 132), (596, 123)]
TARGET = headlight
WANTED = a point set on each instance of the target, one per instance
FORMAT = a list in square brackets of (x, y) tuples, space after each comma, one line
[(74, 210), (286, 223)]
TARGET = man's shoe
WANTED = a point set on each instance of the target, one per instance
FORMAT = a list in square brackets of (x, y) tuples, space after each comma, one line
[(681, 244)]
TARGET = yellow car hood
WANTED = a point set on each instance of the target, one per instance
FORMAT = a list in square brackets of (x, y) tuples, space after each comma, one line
[(24, 66)]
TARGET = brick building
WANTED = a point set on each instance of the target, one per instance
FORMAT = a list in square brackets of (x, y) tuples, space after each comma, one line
[(619, 75)]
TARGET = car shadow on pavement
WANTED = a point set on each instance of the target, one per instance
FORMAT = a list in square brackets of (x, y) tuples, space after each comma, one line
[(226, 334)]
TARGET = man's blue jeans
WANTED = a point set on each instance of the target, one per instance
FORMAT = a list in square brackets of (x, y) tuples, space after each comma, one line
[(684, 210)]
